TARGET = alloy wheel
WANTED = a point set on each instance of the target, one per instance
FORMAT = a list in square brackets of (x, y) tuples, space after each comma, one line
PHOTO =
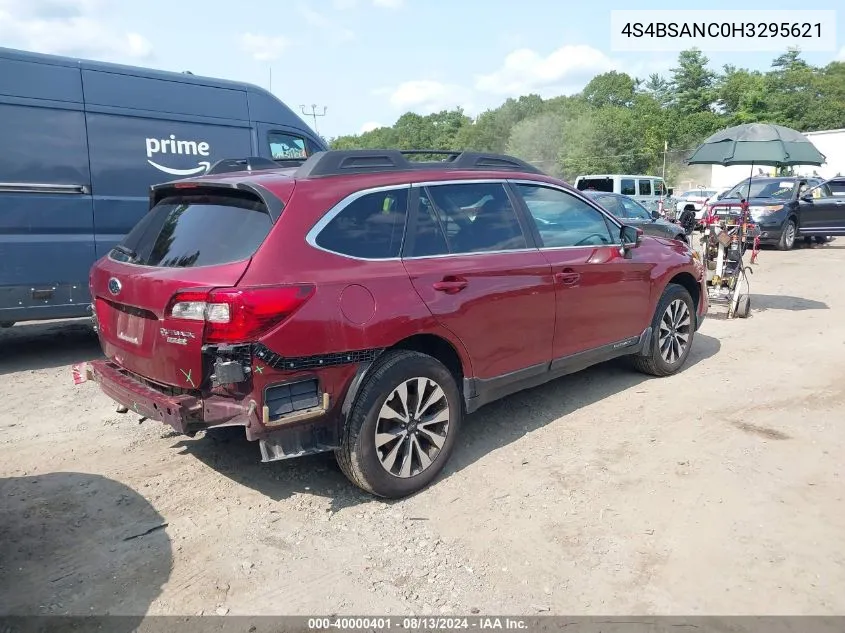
[(674, 331), (412, 427)]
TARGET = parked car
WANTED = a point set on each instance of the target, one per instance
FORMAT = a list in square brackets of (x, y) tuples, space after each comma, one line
[(647, 190), (77, 163), (788, 208), (694, 199), (633, 213), (352, 304)]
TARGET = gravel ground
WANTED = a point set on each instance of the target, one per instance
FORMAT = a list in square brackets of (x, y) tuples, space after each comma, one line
[(715, 491)]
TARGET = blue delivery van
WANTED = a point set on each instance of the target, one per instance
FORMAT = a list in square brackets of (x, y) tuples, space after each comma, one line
[(81, 143)]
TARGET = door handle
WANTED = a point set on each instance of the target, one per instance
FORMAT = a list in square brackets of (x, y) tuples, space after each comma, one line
[(567, 277), (450, 285)]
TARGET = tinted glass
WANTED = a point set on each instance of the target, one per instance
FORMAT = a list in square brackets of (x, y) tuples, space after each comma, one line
[(429, 236), (286, 146), (645, 187), (371, 227), (563, 219), (477, 217), (184, 232), (627, 187), (658, 188), (595, 184)]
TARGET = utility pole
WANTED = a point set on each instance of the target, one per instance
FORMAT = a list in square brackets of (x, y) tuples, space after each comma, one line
[(313, 114)]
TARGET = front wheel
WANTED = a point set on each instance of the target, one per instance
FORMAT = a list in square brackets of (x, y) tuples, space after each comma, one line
[(672, 328), (402, 427), (787, 236)]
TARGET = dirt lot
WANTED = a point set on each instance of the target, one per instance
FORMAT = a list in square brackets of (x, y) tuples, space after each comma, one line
[(716, 491)]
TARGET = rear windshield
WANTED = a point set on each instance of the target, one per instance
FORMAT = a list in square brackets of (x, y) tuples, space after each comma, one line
[(596, 184), (188, 231)]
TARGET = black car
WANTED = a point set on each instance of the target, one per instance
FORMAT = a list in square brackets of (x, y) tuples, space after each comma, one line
[(634, 214), (788, 208)]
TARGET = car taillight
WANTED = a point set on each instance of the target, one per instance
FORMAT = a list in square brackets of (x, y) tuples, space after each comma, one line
[(234, 315)]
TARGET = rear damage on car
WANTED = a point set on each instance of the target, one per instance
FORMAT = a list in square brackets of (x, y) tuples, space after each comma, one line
[(182, 336)]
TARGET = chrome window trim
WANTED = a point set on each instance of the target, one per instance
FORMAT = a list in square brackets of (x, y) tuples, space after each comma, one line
[(311, 236), (39, 187)]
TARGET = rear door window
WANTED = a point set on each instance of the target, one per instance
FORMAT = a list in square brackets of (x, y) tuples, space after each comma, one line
[(197, 230), (645, 187), (595, 184)]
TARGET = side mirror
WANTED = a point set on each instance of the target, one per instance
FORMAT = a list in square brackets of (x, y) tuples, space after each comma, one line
[(655, 215), (630, 236), (670, 191)]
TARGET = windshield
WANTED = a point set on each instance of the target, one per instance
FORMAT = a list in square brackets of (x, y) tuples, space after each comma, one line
[(188, 231), (778, 189), (623, 207)]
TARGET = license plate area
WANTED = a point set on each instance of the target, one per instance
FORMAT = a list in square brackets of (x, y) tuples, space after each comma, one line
[(130, 328)]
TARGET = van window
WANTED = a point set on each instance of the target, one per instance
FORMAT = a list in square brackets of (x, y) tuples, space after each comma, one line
[(596, 184), (371, 227), (645, 187), (286, 146), (190, 231), (659, 188), (628, 188)]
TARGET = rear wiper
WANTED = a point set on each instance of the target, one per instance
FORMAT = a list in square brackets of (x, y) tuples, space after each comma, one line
[(120, 248)]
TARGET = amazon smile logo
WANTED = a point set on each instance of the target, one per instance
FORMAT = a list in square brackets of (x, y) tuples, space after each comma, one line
[(171, 146)]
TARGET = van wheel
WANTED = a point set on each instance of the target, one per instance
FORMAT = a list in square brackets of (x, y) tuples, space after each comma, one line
[(401, 430), (672, 328)]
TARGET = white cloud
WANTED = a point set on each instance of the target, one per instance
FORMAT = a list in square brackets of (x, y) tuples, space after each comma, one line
[(427, 96), (369, 126), (526, 70), (319, 21), (69, 27), (264, 48)]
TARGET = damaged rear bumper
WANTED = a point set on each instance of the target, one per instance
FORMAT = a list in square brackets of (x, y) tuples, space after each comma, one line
[(187, 413)]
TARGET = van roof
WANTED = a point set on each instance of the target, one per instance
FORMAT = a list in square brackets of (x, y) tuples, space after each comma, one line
[(124, 69), (619, 176)]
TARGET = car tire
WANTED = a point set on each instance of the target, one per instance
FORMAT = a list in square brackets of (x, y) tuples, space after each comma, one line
[(387, 470), (788, 235), (743, 308), (673, 321)]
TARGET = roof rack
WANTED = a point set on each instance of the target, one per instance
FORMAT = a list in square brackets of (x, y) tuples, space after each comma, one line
[(251, 163), (363, 161)]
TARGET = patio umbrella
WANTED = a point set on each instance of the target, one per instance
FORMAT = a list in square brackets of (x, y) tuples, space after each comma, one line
[(757, 144)]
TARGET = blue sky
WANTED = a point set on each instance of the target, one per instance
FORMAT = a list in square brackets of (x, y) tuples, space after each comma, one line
[(367, 61)]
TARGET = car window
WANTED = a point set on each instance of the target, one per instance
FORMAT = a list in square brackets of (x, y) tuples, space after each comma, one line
[(594, 184), (197, 230), (612, 204), (564, 220), (821, 191), (370, 227), (286, 146), (476, 218), (634, 209), (429, 237), (659, 188), (627, 187), (778, 189), (645, 187)]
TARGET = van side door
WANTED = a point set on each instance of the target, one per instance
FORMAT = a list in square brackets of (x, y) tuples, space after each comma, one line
[(144, 131), (46, 220)]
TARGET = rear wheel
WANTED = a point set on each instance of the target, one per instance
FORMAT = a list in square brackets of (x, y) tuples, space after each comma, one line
[(401, 430), (787, 236), (673, 328)]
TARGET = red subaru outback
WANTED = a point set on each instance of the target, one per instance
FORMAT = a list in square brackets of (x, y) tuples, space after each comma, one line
[(363, 303)]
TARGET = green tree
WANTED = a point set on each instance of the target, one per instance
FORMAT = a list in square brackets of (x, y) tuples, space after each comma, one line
[(693, 83), (610, 89), (538, 140)]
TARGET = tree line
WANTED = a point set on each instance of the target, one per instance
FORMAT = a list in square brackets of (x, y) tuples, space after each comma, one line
[(619, 124)]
